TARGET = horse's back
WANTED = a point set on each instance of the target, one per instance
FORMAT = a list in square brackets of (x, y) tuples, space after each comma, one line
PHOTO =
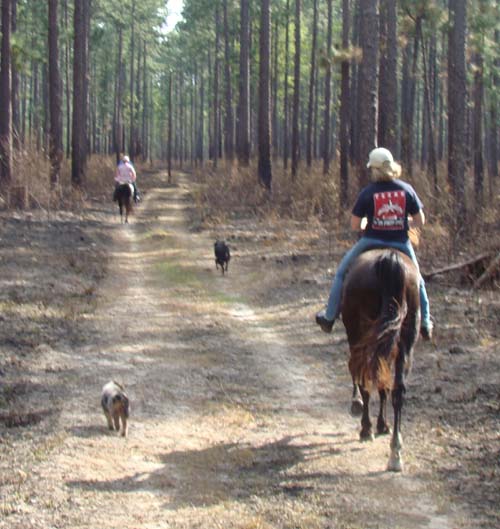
[(365, 264)]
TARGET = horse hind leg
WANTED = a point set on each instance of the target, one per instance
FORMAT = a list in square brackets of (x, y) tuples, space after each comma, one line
[(366, 433), (120, 205), (395, 459), (356, 401), (382, 426)]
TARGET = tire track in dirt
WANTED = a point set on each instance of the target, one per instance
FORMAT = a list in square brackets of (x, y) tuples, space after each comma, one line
[(232, 424)]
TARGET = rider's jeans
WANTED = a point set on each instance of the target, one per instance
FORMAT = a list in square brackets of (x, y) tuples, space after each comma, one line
[(364, 244)]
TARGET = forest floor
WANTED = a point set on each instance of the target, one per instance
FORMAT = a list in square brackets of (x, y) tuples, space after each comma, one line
[(239, 403)]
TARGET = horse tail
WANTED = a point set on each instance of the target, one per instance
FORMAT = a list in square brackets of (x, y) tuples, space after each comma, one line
[(391, 274)]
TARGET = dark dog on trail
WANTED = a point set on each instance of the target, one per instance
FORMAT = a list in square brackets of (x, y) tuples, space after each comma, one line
[(116, 406), (222, 255)]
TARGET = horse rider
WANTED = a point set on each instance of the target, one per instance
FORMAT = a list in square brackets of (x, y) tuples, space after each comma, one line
[(125, 174), (387, 203)]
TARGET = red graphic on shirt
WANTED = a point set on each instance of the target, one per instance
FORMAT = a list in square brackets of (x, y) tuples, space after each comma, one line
[(389, 210)]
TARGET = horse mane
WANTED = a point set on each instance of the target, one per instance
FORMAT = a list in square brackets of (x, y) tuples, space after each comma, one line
[(373, 355)]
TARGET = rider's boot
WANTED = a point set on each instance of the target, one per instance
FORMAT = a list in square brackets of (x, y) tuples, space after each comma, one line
[(326, 325)]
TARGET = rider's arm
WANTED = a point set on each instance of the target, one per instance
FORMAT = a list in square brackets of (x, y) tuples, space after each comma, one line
[(133, 175), (417, 220), (355, 223)]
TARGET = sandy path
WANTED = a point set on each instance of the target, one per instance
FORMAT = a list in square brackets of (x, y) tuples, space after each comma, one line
[(233, 424)]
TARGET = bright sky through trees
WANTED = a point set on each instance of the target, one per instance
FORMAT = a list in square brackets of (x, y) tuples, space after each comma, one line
[(174, 8)]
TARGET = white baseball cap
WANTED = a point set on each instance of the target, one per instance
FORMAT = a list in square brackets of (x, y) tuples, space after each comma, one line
[(126, 159), (380, 157)]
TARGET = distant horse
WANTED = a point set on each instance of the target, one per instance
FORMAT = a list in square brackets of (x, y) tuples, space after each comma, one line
[(124, 196), (381, 314)]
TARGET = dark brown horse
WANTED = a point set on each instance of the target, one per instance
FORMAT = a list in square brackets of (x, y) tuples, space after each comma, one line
[(381, 314), (124, 196)]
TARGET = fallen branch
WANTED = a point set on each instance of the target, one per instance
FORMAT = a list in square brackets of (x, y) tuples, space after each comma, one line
[(456, 266), (493, 267)]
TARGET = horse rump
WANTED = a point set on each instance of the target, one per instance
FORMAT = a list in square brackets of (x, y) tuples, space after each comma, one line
[(374, 309), (123, 195)]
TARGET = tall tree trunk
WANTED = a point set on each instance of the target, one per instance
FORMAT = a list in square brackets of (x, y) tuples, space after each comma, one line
[(34, 114), (16, 116), (228, 122), (285, 97), (388, 83), (67, 45), (296, 94), (193, 115), (131, 142), (345, 103), (24, 98), (216, 90), (79, 140), (176, 119), (181, 119), (46, 109), (493, 131), (312, 82), (5, 98), (368, 83), (275, 76), (328, 82), (201, 127), (478, 131), (355, 74), (56, 143), (457, 98), (429, 114), (265, 173), (145, 103), (169, 139), (243, 130), (151, 124), (318, 92), (408, 107), (117, 127), (86, 77)]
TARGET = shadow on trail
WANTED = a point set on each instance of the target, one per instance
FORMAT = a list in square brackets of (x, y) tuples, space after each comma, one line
[(227, 471), (90, 431)]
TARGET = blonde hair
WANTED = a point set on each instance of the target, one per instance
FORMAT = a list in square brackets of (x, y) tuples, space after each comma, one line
[(388, 171)]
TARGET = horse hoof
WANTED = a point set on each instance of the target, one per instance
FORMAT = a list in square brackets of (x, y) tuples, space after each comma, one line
[(395, 465), (357, 408), (385, 430), (366, 436)]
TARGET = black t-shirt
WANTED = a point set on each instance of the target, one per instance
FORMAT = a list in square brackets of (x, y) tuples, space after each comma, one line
[(387, 206)]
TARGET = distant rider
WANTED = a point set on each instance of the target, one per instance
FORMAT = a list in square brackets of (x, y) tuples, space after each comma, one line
[(125, 174)]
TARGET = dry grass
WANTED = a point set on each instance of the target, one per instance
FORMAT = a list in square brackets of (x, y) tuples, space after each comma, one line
[(31, 172), (232, 193)]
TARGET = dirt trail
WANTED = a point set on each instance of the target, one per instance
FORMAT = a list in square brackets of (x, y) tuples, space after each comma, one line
[(236, 420)]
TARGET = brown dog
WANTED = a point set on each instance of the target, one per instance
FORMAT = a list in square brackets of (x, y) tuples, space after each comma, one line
[(116, 406)]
